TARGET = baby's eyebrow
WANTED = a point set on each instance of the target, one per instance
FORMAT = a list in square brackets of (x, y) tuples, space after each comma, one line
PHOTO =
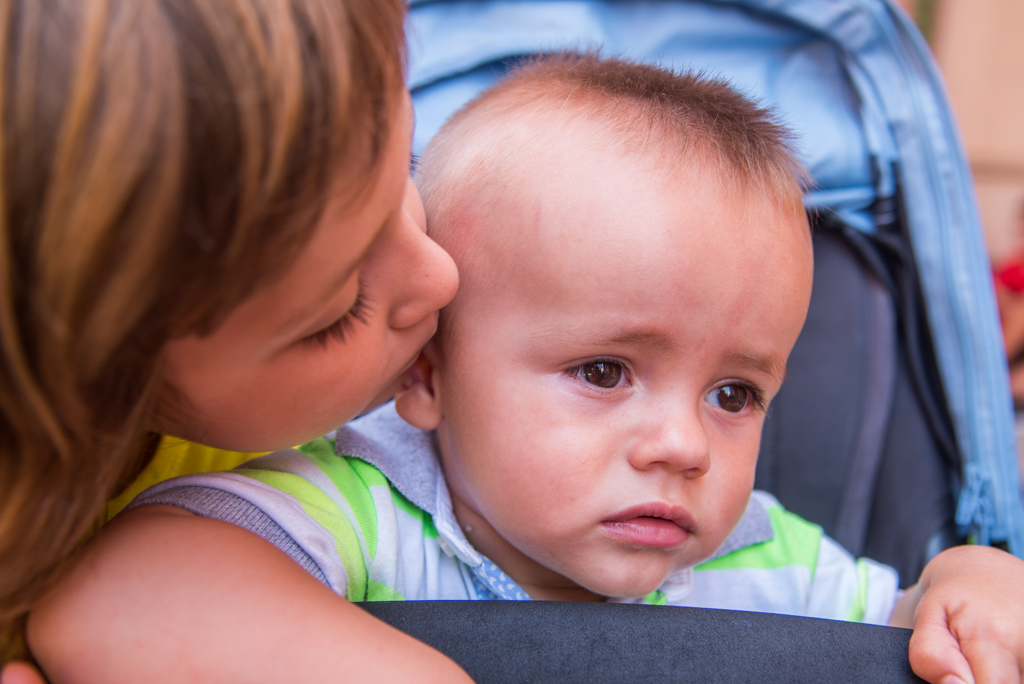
[(646, 338), (772, 364), (633, 338)]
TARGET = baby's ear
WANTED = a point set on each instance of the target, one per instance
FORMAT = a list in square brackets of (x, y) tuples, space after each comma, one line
[(418, 399)]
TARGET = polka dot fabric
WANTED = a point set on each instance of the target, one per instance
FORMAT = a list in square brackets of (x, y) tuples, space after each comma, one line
[(492, 584)]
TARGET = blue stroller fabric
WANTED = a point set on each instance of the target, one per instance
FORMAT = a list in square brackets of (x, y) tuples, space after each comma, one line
[(855, 81)]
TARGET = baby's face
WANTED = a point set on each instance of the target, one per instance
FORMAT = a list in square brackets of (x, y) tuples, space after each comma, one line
[(616, 340)]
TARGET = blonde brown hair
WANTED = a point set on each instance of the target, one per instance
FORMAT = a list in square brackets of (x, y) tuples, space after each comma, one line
[(159, 161)]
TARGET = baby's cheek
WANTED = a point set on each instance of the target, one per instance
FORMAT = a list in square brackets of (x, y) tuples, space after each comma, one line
[(722, 511), (536, 516)]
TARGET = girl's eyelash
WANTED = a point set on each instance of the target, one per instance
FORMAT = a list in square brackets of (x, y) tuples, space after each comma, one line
[(359, 313), (414, 163)]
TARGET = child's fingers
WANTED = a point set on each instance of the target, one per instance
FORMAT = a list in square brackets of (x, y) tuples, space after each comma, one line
[(971, 651), (970, 602), (990, 657), (935, 654)]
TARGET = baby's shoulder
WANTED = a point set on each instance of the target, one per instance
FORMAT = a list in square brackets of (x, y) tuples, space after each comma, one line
[(792, 541)]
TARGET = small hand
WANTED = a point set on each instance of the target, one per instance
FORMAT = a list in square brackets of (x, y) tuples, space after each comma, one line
[(969, 618)]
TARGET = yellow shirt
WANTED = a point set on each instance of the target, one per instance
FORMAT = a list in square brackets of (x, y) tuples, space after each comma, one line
[(176, 457)]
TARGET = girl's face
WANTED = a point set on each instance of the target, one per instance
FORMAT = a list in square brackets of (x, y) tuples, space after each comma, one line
[(306, 354)]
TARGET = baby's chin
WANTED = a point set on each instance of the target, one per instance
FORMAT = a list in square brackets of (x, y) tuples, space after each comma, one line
[(624, 590), (625, 581), (625, 572)]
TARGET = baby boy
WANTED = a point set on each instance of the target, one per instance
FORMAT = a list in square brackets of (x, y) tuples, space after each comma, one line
[(635, 268)]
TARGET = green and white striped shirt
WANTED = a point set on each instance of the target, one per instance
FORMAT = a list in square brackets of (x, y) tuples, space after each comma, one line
[(368, 513)]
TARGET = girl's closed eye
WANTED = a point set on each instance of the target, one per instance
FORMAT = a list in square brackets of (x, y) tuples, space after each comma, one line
[(735, 397), (358, 313), (602, 373)]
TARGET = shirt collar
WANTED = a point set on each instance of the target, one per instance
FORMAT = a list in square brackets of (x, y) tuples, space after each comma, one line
[(407, 457)]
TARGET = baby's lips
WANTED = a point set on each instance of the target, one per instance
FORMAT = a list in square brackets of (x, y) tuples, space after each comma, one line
[(648, 531), (656, 510)]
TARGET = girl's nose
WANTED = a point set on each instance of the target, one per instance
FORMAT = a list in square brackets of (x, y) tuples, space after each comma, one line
[(675, 442), (430, 274)]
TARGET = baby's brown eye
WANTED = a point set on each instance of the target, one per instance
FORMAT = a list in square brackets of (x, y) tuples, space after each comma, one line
[(601, 374), (732, 398)]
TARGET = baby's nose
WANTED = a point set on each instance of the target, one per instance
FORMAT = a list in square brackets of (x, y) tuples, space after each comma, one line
[(679, 443)]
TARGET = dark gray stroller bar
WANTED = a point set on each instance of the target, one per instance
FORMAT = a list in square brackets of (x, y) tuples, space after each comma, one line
[(599, 643)]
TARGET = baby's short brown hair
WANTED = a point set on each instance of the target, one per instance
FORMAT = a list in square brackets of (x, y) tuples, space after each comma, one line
[(674, 116)]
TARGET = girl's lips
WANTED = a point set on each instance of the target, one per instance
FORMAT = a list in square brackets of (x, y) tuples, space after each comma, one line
[(655, 524)]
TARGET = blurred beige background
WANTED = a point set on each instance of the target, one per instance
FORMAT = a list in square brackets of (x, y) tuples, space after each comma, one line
[(979, 45)]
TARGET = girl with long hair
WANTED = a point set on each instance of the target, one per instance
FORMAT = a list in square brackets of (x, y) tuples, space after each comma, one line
[(206, 228)]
